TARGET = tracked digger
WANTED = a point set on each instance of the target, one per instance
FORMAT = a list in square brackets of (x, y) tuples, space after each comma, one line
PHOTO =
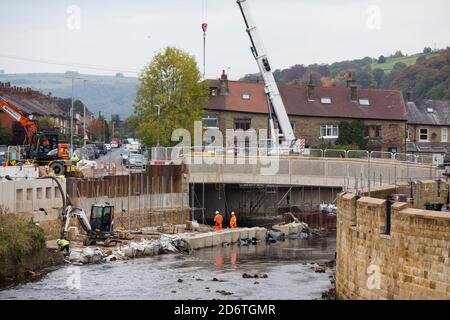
[(99, 227)]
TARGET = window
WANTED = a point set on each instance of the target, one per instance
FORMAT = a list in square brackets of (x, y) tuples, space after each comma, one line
[(364, 102), (245, 96), (444, 134), (210, 121), (213, 92), (430, 110), (243, 124), (407, 134), (423, 134), (329, 131), (373, 132), (325, 100)]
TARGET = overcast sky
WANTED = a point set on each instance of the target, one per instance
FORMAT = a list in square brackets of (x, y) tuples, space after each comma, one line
[(123, 35)]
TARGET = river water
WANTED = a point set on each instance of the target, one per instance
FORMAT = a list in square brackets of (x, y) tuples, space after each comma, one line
[(197, 276)]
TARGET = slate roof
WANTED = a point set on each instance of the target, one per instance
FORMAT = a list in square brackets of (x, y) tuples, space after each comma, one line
[(384, 104), (429, 112)]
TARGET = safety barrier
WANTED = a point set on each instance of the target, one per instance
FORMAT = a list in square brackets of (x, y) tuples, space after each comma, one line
[(162, 154)]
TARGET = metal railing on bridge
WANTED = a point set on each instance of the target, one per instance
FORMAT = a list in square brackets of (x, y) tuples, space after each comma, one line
[(181, 153)]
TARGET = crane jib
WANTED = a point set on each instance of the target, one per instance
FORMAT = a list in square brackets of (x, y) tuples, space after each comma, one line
[(271, 87)]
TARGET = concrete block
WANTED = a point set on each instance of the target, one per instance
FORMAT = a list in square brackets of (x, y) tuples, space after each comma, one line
[(226, 236), (252, 233), (196, 241), (217, 239), (282, 228), (235, 235), (243, 233), (261, 234), (208, 240)]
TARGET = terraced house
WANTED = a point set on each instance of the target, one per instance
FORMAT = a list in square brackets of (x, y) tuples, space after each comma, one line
[(315, 111), (428, 127)]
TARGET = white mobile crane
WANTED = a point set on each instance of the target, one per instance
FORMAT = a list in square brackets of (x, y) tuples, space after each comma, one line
[(275, 101)]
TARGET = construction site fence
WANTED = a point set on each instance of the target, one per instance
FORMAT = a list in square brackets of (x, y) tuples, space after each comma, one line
[(180, 153)]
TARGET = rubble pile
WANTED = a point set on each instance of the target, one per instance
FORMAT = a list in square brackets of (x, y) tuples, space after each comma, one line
[(144, 248)]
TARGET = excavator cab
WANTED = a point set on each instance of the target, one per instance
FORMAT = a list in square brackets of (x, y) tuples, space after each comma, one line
[(102, 225)]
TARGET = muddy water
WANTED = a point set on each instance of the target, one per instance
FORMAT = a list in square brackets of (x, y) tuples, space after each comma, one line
[(290, 276)]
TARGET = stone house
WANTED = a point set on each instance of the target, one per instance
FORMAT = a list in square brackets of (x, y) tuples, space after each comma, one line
[(315, 111), (428, 127)]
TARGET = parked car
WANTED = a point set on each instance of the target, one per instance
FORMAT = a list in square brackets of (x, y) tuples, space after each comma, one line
[(94, 149), (101, 148), (85, 153), (108, 147), (116, 143), (135, 160)]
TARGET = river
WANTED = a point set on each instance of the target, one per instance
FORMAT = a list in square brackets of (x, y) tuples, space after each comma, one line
[(214, 273)]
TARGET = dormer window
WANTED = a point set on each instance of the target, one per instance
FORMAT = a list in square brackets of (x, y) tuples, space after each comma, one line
[(245, 96), (325, 100), (430, 110), (364, 102)]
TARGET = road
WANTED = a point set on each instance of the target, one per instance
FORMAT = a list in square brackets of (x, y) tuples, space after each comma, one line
[(113, 156)]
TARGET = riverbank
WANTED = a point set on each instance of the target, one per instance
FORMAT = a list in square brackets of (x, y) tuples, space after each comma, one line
[(23, 253)]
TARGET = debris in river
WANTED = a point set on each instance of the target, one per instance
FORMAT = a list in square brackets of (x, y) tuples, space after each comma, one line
[(225, 293), (255, 276), (145, 248)]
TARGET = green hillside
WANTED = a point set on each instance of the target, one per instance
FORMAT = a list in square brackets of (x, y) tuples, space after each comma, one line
[(408, 60)]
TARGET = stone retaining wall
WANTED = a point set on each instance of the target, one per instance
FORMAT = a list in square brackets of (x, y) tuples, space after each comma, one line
[(412, 261)]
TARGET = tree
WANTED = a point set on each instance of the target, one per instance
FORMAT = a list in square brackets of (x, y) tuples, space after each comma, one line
[(398, 54), (352, 133), (378, 75), (172, 82), (427, 50), (382, 59), (5, 135), (46, 123), (421, 59), (365, 79)]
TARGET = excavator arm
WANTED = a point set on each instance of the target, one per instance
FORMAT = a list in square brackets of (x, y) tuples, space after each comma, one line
[(28, 124)]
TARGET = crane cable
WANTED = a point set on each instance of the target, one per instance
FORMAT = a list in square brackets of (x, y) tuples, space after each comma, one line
[(204, 28)]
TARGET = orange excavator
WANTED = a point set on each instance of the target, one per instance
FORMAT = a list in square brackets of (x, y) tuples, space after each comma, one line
[(43, 149)]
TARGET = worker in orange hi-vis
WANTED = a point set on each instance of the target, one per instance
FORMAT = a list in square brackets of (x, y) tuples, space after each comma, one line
[(233, 221), (218, 219)]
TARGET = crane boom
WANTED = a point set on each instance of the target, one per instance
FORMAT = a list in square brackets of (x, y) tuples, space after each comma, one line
[(271, 87)]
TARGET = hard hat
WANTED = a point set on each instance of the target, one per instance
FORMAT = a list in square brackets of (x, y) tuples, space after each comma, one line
[(217, 212), (232, 213)]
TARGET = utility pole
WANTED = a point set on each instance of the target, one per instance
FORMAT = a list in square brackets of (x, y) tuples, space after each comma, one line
[(73, 78), (71, 122), (84, 112)]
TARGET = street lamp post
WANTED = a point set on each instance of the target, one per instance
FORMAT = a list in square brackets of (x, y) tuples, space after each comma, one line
[(71, 121), (159, 113)]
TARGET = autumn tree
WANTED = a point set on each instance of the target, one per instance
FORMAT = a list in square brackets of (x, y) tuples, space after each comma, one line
[(5, 135), (171, 82)]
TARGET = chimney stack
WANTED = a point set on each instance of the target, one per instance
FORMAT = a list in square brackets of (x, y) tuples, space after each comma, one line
[(350, 80), (224, 90), (311, 88), (354, 92), (410, 95)]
